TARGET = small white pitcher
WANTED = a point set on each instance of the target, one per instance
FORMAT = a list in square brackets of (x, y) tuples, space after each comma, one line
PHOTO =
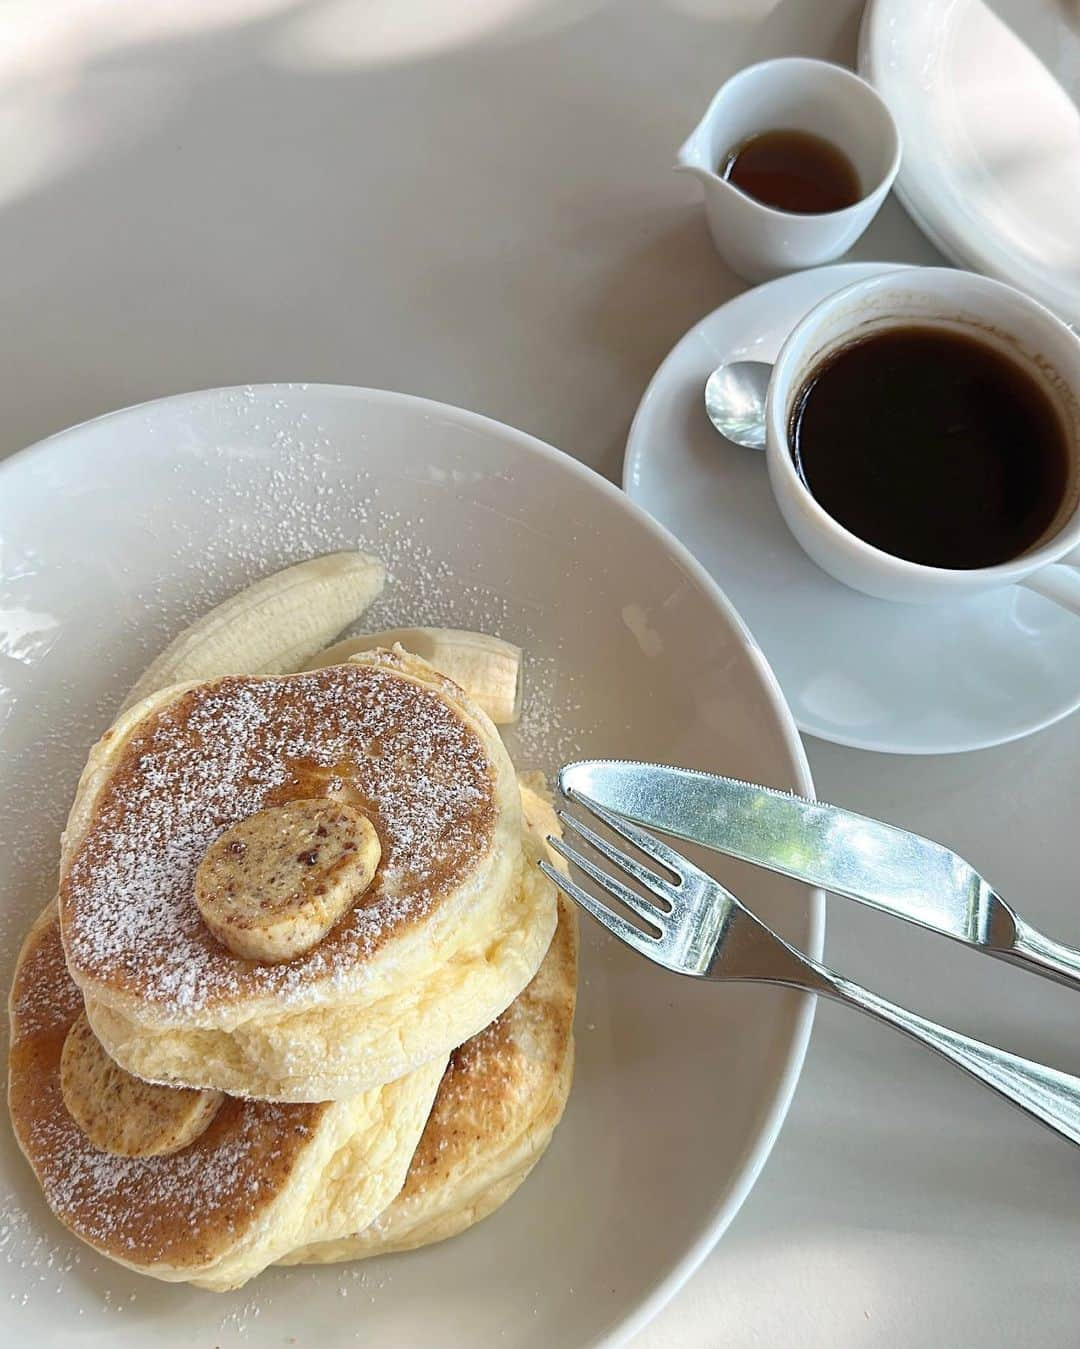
[(759, 241)]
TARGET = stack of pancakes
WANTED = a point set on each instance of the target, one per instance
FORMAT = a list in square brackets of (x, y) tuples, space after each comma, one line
[(304, 994)]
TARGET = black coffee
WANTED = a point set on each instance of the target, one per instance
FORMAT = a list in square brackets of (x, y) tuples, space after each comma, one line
[(933, 446)]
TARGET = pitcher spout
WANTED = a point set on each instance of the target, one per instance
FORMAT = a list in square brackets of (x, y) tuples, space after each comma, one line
[(698, 170)]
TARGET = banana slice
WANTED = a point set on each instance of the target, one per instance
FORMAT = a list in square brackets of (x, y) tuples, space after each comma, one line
[(273, 626), (487, 668), (122, 1114), (274, 884)]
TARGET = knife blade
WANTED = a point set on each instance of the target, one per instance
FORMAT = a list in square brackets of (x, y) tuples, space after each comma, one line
[(837, 850)]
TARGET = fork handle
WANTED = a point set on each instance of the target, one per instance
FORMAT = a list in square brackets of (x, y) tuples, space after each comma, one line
[(1050, 1096)]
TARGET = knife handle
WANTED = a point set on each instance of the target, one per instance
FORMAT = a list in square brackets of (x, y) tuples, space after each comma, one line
[(1032, 950)]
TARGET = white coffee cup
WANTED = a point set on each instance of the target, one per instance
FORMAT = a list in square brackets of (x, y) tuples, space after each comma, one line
[(994, 313), (759, 241)]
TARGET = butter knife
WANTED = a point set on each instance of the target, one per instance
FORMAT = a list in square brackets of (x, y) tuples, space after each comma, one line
[(897, 872)]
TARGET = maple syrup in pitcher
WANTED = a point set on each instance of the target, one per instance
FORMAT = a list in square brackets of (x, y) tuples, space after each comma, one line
[(792, 171)]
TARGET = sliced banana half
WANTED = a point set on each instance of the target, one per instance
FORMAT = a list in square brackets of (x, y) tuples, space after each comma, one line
[(273, 885), (487, 668), (122, 1114), (271, 627)]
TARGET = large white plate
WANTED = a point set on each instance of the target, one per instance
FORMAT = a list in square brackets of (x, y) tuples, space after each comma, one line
[(991, 165), (115, 532), (901, 678)]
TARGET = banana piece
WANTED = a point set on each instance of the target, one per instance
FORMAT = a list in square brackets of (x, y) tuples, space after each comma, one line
[(122, 1114), (273, 626), (487, 668), (274, 884)]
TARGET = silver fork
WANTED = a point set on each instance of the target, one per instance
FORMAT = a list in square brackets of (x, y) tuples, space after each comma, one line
[(699, 928)]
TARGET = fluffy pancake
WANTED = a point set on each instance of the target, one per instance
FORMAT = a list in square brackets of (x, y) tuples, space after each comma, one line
[(261, 1180), (453, 926), (497, 1106)]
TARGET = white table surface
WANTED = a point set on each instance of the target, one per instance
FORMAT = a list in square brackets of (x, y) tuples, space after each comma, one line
[(472, 200)]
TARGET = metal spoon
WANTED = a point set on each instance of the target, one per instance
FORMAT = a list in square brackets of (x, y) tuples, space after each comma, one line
[(735, 401)]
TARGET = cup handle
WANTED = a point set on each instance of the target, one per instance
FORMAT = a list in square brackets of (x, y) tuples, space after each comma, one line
[(1059, 582)]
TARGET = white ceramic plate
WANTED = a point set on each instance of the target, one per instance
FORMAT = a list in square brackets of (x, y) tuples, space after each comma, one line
[(907, 679), (991, 161), (113, 533)]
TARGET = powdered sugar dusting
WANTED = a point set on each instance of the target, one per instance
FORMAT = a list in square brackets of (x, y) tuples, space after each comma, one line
[(184, 1208), (219, 755), (43, 1265), (45, 999), (177, 1207), (307, 481)]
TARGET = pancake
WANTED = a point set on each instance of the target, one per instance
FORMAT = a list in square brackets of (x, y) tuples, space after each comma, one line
[(450, 930), (263, 1178), (496, 1109)]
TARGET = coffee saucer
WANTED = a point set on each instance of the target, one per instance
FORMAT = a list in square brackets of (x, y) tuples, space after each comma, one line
[(902, 679)]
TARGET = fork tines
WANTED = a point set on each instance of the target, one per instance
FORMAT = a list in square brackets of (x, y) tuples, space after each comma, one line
[(667, 894)]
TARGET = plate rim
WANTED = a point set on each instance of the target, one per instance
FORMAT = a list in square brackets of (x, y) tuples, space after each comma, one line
[(757, 1153), (633, 454)]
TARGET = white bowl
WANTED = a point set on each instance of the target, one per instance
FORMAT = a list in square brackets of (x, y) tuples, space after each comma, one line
[(115, 532)]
